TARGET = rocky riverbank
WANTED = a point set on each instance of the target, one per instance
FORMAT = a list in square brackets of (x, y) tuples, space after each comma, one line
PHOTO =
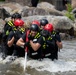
[(60, 22)]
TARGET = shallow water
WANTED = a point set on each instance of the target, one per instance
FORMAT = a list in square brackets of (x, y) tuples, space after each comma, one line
[(65, 65)]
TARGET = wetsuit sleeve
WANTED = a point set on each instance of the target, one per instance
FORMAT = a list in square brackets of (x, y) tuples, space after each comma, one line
[(24, 36), (58, 38), (10, 36), (40, 40)]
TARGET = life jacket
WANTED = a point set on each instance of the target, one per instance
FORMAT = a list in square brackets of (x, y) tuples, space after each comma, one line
[(48, 48), (11, 26), (22, 30), (35, 54), (53, 35), (10, 23)]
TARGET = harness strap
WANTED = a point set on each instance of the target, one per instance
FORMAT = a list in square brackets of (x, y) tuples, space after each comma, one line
[(10, 23)]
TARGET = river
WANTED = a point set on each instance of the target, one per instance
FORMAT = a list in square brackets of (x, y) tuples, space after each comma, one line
[(65, 65)]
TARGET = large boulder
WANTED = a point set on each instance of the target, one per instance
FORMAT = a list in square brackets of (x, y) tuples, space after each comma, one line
[(12, 7), (3, 13), (74, 27), (50, 8), (22, 2), (30, 11), (61, 23), (74, 3), (2, 23)]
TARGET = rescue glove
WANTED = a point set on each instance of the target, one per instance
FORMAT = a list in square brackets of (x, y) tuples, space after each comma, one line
[(30, 37), (26, 44)]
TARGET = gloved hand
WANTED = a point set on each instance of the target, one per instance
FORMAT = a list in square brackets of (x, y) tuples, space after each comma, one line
[(30, 37), (26, 44)]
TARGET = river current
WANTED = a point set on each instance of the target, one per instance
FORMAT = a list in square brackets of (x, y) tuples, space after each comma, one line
[(65, 65)]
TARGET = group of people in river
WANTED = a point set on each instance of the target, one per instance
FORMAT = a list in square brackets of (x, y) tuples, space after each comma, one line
[(40, 39)]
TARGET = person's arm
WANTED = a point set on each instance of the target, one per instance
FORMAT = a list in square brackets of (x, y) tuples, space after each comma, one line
[(59, 44), (35, 46), (10, 39), (58, 41), (20, 42), (10, 42)]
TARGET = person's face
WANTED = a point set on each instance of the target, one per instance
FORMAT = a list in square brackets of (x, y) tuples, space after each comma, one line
[(13, 19), (42, 27), (33, 33)]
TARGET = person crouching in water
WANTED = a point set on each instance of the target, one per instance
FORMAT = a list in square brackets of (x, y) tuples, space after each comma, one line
[(53, 41), (13, 49), (34, 44)]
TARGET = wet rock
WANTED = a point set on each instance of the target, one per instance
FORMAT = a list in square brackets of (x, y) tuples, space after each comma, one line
[(3, 13), (22, 2), (60, 23), (74, 3), (2, 23), (50, 8), (12, 7), (33, 11)]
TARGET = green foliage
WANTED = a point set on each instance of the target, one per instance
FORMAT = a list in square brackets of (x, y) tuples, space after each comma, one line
[(70, 16), (69, 7), (69, 13)]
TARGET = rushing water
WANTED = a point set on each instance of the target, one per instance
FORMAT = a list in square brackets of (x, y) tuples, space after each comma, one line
[(65, 65)]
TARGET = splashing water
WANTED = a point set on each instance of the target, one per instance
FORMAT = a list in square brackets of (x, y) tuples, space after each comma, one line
[(65, 63)]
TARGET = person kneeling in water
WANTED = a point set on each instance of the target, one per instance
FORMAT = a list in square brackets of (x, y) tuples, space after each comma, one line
[(34, 44)]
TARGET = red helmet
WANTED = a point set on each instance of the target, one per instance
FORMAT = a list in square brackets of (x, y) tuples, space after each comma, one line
[(18, 22), (36, 22), (49, 27)]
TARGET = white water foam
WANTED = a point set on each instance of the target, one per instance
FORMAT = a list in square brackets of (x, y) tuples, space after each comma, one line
[(66, 61)]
